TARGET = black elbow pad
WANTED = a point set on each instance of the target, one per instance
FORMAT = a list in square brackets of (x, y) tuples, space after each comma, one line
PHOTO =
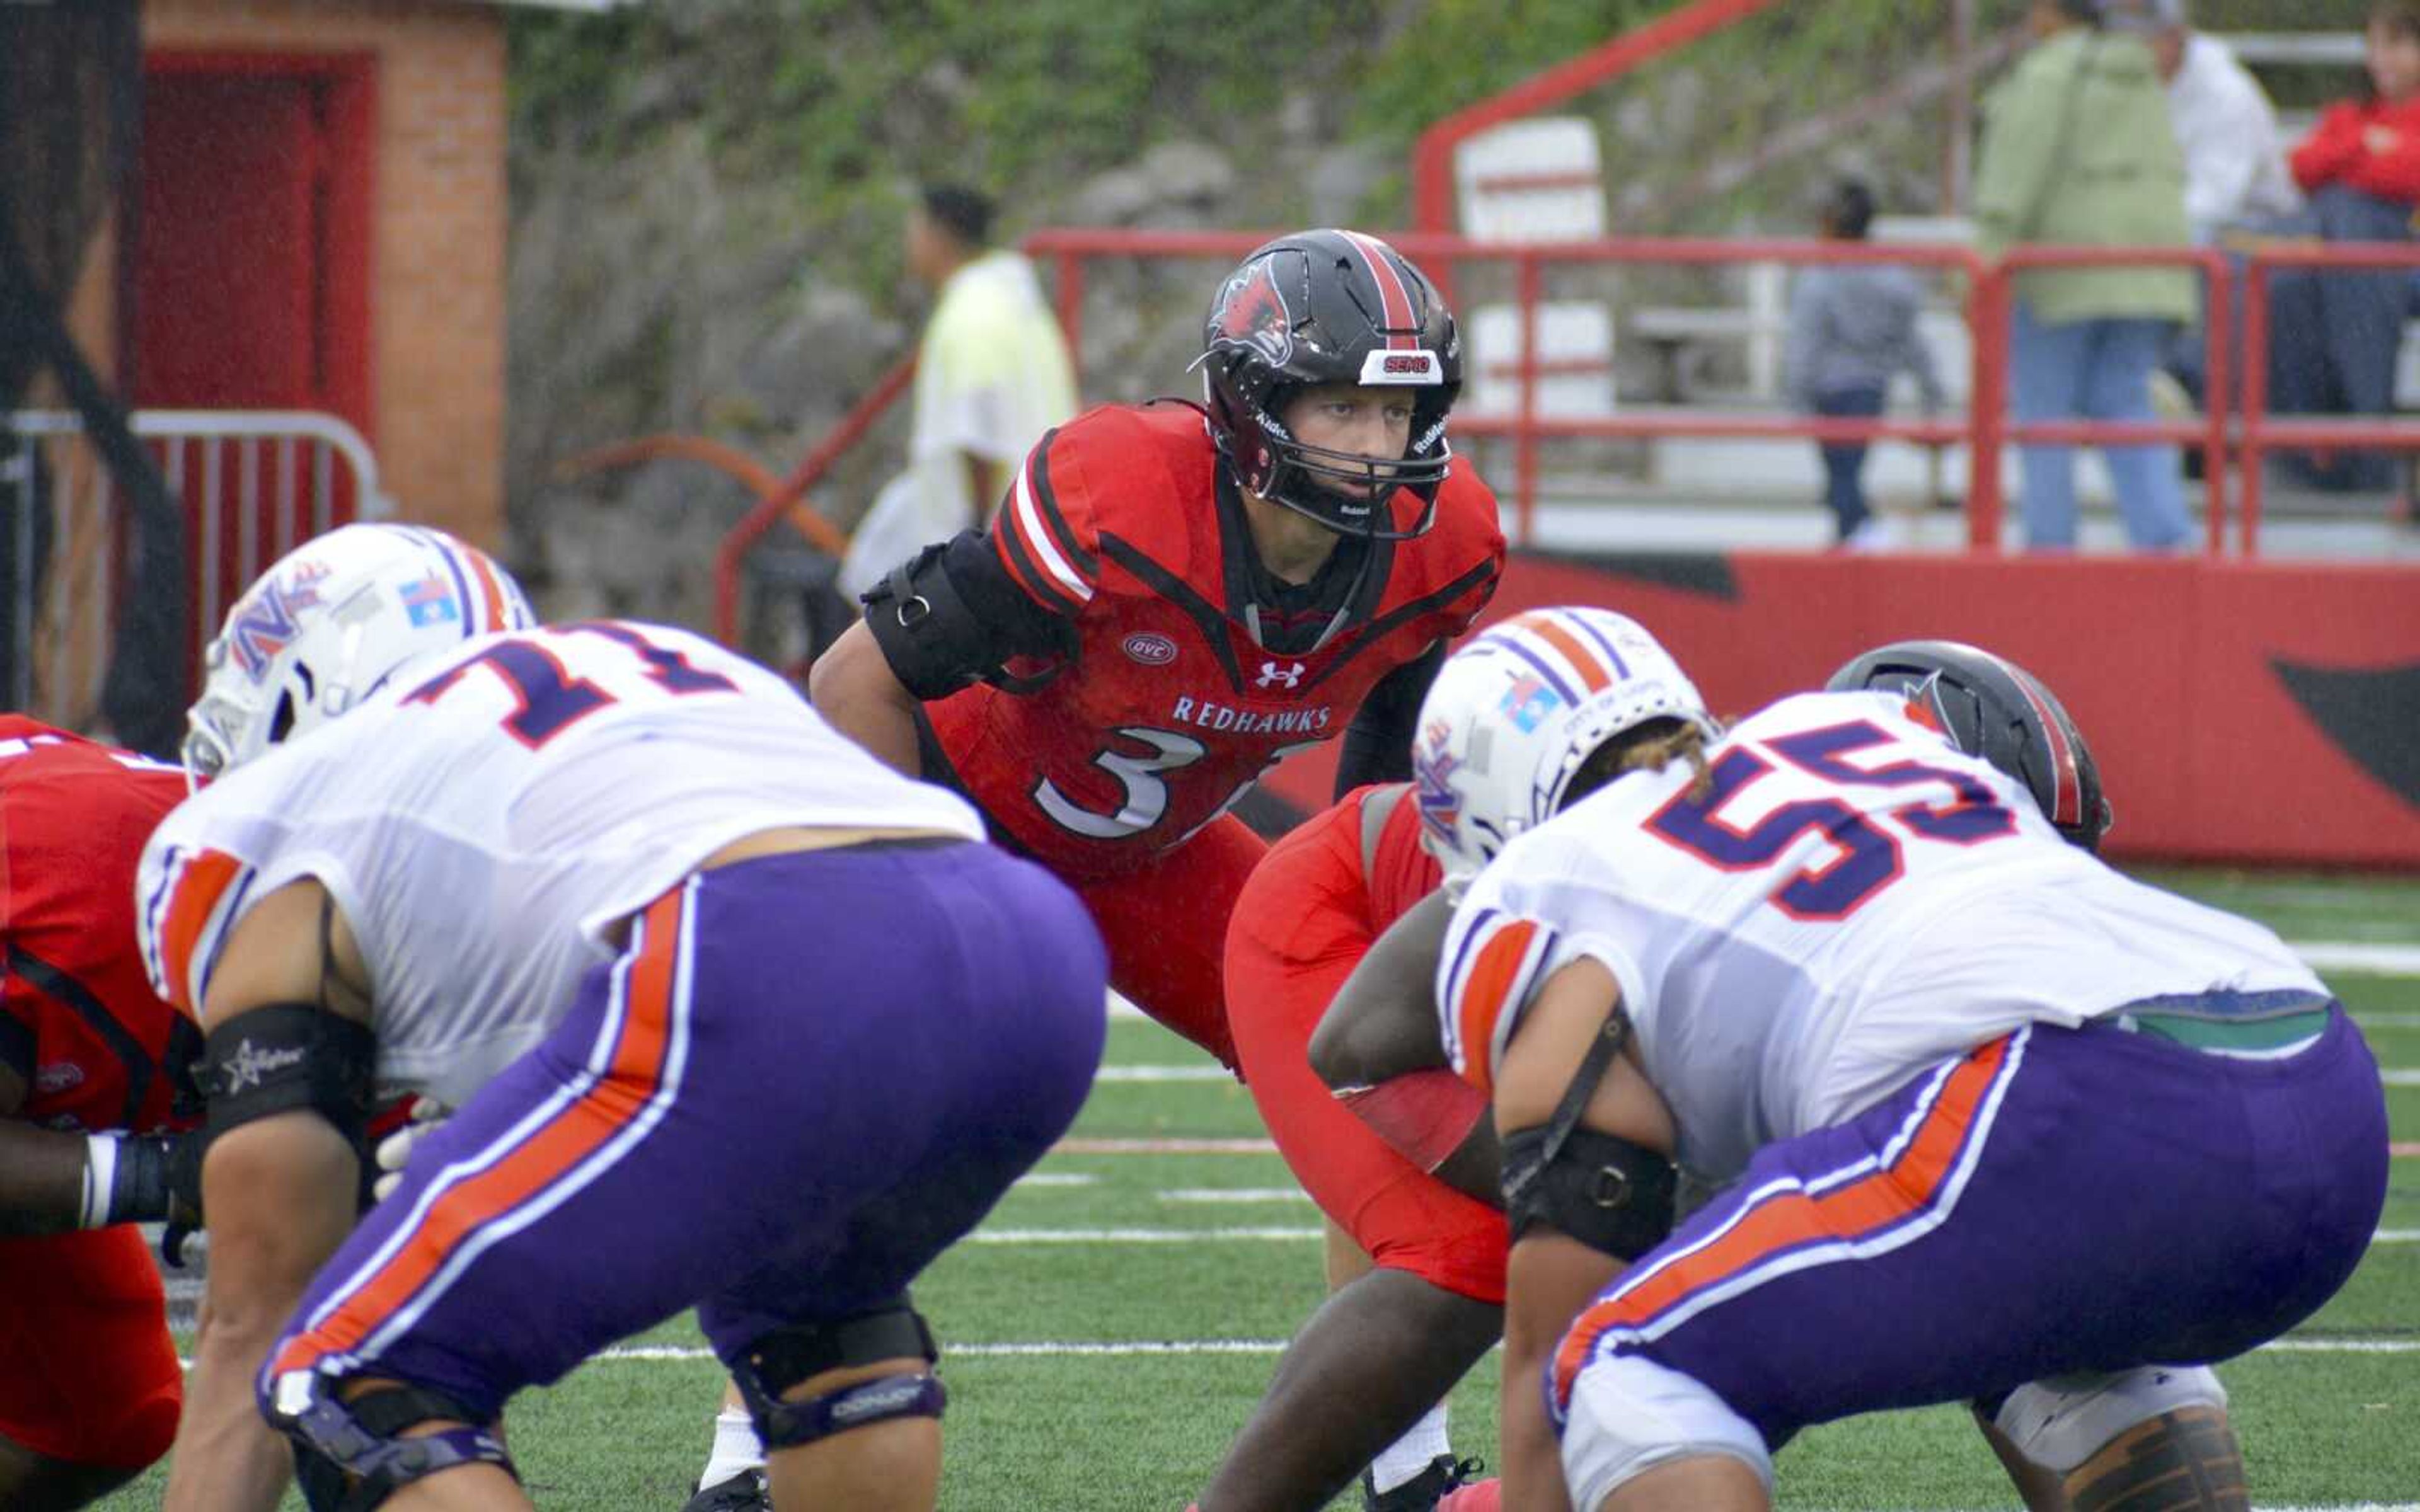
[(931, 639), (1611, 1194)]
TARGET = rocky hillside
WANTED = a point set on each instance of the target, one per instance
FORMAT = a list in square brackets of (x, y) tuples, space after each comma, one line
[(708, 195)]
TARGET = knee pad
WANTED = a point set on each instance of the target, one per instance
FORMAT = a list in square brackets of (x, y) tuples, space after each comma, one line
[(2062, 1421), (780, 1359), (349, 1457), (1629, 1414)]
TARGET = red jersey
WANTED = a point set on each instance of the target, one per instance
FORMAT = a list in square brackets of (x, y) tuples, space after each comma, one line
[(1115, 523), (78, 1020), (1339, 879)]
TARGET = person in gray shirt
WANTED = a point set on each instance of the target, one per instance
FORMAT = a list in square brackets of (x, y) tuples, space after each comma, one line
[(1853, 328)]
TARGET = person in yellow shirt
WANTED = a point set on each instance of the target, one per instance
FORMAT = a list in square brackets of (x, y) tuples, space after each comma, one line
[(992, 374)]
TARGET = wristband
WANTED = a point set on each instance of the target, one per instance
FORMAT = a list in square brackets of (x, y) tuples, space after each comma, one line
[(125, 1181)]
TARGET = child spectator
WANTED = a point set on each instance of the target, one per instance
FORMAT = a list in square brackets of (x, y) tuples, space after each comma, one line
[(1851, 327)]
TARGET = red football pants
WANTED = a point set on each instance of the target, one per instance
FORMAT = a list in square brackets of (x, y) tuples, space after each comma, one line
[(1165, 927), (87, 1371)]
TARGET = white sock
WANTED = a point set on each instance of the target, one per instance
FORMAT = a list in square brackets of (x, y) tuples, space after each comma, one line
[(1413, 1452), (735, 1447)]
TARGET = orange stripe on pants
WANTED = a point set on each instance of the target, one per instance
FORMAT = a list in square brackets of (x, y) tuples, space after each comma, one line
[(1792, 1216), (632, 1078)]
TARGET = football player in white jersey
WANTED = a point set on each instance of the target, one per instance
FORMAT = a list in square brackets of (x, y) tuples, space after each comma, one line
[(1991, 1122), (624, 903)]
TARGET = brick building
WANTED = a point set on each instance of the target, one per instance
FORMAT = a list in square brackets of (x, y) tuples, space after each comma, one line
[(319, 222)]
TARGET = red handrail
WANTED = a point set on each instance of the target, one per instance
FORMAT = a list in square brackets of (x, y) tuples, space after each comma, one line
[(1068, 247), (1433, 153), (775, 506), (1987, 428)]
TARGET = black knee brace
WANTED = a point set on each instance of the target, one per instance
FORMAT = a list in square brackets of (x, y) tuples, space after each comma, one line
[(348, 1457), (782, 1359)]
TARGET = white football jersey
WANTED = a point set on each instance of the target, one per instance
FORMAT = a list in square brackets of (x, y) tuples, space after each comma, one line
[(485, 821), (1854, 901)]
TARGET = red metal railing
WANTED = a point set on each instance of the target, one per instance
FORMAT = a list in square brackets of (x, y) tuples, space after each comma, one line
[(1069, 249), (1986, 430), (775, 506)]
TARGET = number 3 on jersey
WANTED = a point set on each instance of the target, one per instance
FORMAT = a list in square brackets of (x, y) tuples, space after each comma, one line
[(1145, 796), (1869, 858)]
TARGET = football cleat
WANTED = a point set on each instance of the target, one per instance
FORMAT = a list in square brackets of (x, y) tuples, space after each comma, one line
[(1421, 1493), (748, 1491)]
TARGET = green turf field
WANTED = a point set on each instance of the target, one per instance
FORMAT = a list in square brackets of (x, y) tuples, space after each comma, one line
[(1110, 1326)]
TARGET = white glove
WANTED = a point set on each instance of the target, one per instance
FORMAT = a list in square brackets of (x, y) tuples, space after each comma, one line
[(394, 1152)]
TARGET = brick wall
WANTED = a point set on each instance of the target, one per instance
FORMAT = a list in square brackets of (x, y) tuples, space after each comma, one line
[(438, 227)]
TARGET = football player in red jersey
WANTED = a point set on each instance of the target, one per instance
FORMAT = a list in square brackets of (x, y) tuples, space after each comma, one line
[(90, 1064), (1386, 1346), (1175, 597)]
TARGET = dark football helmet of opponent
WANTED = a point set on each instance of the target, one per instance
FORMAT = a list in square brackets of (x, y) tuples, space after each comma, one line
[(1330, 307), (1991, 707)]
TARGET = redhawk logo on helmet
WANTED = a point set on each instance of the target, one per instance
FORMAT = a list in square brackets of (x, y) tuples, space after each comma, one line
[(1252, 313), (1320, 307)]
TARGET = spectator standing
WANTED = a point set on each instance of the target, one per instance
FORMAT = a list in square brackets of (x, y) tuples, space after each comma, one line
[(992, 374), (1852, 327), (2077, 149), (2235, 180), (2335, 332), (2235, 158)]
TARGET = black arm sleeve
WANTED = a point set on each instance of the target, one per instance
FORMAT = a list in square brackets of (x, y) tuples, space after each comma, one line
[(968, 618), (1378, 742)]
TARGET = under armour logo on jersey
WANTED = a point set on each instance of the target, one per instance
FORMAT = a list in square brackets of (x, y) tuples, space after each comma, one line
[(1272, 674), (247, 1066)]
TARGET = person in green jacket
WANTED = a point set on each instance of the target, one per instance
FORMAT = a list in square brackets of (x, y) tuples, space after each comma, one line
[(2077, 150)]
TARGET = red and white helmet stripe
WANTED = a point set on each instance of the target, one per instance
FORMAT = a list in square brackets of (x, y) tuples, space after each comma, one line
[(1397, 313)]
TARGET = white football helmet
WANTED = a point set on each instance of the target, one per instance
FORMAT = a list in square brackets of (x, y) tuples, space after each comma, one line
[(1514, 714), (331, 620)]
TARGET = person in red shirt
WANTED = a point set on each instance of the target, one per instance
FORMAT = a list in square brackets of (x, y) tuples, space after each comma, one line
[(1174, 597), (1388, 1345), (91, 1071), (2334, 332)]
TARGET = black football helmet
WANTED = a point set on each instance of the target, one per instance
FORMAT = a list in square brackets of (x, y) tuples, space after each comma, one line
[(1992, 708), (1330, 307)]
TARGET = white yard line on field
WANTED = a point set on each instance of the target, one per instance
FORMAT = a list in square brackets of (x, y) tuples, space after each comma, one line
[(1236, 1193), (1165, 1146), (2347, 955), (1210, 1072), (1132, 1348), (1139, 1236), (1257, 1235)]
